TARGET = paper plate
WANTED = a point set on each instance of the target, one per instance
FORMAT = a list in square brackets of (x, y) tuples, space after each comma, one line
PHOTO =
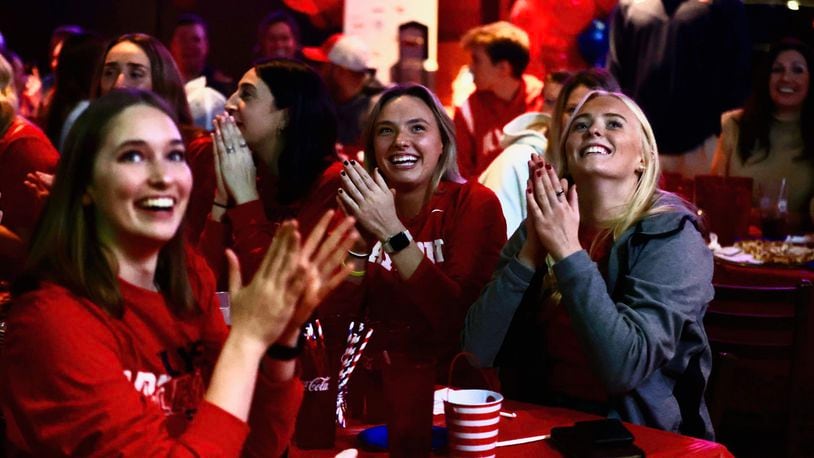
[(376, 437)]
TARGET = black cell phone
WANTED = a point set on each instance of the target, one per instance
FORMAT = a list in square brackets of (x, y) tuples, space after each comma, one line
[(595, 439), (608, 431)]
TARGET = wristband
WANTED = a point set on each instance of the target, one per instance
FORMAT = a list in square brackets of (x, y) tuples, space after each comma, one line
[(356, 254), (218, 204), (286, 353)]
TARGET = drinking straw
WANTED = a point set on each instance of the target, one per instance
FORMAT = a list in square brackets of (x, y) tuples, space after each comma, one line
[(349, 360)]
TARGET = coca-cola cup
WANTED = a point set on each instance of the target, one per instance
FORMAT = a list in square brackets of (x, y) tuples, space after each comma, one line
[(316, 421), (473, 417), (409, 384)]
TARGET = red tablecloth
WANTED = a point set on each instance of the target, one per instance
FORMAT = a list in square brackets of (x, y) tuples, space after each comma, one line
[(533, 420), (729, 273)]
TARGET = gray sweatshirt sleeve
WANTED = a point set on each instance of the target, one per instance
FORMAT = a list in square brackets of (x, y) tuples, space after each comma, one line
[(488, 320), (665, 290)]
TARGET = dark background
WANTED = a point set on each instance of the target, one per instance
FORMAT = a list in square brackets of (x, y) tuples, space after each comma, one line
[(27, 25)]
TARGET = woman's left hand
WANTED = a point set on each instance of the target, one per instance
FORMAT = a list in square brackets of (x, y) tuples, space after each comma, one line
[(553, 211), (369, 200)]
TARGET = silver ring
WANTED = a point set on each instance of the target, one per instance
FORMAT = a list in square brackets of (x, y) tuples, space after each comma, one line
[(230, 149), (242, 144), (559, 193)]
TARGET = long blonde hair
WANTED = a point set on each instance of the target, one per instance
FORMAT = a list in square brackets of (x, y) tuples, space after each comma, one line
[(8, 95)]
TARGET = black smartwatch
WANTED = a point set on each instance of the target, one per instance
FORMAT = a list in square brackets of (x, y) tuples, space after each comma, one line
[(284, 353), (397, 242)]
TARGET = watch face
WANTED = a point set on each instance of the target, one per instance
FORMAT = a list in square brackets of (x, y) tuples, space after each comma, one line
[(397, 242)]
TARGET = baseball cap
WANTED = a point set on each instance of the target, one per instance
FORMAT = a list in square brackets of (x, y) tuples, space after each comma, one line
[(343, 50)]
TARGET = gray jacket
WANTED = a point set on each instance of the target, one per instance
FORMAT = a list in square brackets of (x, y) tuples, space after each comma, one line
[(641, 324)]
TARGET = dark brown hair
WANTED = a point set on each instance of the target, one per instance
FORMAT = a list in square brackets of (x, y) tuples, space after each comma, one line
[(66, 248)]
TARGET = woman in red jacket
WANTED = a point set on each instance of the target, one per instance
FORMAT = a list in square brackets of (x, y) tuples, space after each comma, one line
[(115, 343), (432, 238)]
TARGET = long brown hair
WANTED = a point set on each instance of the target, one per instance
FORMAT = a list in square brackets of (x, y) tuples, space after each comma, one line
[(66, 248)]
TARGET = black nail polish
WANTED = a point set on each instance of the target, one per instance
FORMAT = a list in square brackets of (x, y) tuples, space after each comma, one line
[(342, 173), (340, 191), (345, 162), (353, 162)]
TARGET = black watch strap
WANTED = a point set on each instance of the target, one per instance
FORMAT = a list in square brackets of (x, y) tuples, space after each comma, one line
[(286, 353)]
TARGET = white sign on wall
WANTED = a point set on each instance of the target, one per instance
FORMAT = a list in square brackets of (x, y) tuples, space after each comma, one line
[(377, 23)]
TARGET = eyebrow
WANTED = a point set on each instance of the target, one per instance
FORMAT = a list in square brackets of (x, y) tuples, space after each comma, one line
[(609, 113), (127, 64), (409, 121), (142, 143)]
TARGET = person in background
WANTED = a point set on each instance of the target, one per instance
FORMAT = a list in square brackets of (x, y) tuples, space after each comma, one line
[(140, 61), (343, 61), (189, 46), (275, 159), (536, 133), (499, 55), (772, 137), (430, 239), (278, 36), (24, 149), (598, 301), (682, 60), (115, 342), (551, 89), (79, 57)]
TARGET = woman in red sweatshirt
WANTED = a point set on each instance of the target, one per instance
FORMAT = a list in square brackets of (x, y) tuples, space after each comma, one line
[(115, 343)]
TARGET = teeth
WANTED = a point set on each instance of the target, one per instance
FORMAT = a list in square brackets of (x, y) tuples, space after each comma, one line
[(595, 149), (158, 202), (786, 90), (403, 160)]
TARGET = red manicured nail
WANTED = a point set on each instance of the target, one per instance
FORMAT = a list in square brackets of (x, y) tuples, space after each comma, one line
[(538, 173), (548, 166)]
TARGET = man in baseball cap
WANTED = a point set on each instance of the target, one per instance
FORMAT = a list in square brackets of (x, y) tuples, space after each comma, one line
[(344, 63)]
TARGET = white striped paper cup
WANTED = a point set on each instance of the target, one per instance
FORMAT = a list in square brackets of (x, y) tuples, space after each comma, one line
[(473, 417)]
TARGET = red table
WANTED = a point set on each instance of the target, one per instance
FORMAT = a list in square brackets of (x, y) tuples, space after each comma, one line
[(758, 275), (533, 420)]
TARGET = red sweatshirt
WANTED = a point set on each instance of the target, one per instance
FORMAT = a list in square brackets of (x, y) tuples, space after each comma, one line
[(23, 149), (253, 225), (479, 123), (461, 232), (77, 381)]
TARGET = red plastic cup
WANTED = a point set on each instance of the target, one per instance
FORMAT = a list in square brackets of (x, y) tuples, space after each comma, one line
[(473, 418), (409, 384)]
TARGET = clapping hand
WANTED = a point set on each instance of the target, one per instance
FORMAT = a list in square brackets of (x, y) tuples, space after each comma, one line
[(370, 200), (553, 211), (235, 171)]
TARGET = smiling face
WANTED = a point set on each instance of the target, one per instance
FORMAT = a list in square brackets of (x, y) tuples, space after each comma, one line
[(255, 111), (407, 143), (140, 182), (605, 139), (788, 81), (278, 41), (126, 66)]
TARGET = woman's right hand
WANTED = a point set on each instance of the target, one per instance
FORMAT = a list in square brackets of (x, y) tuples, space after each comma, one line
[(532, 254), (261, 310), (235, 170)]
